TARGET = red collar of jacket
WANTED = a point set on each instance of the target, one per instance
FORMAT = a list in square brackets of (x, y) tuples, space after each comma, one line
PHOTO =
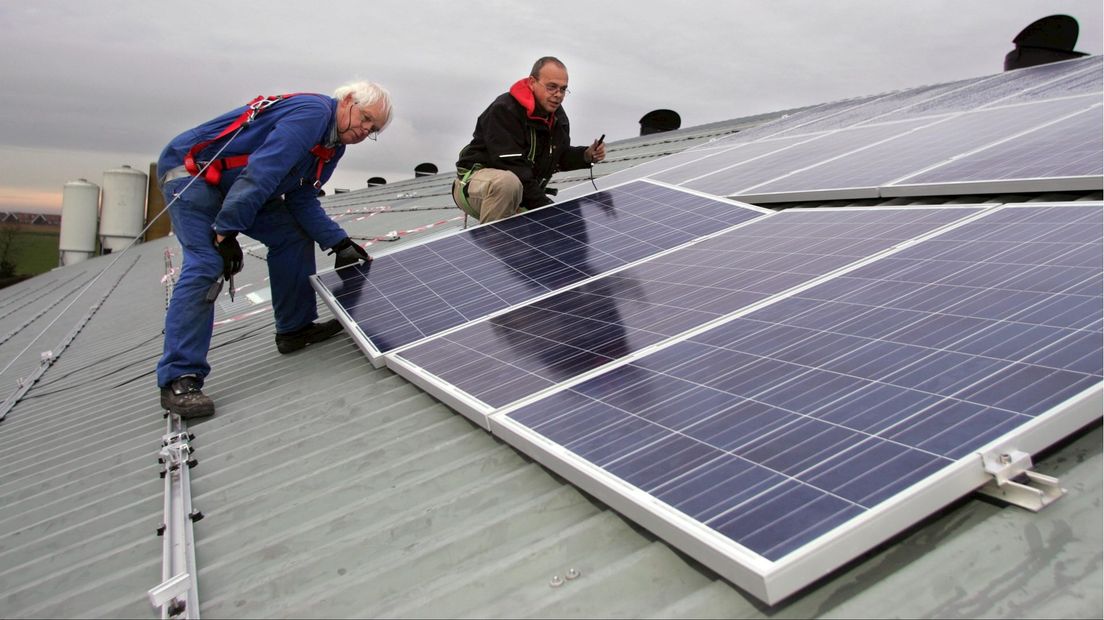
[(523, 95)]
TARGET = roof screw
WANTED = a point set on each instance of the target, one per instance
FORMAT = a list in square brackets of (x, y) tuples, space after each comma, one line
[(571, 574), (556, 582), (1005, 459)]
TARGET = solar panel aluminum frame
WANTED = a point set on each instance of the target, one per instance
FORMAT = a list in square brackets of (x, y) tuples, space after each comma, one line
[(370, 351), (479, 412), (476, 410), (378, 358), (773, 582), (959, 188), (900, 187), (1002, 186)]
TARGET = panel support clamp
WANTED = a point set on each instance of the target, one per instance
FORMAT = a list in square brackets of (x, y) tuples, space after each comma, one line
[(1014, 482)]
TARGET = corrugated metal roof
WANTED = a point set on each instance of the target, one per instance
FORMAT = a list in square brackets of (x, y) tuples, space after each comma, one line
[(334, 489)]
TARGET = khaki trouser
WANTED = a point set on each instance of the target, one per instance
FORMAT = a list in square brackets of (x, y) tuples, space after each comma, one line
[(492, 194)]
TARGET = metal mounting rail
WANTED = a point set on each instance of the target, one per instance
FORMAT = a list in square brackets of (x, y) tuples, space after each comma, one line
[(49, 357), (178, 593)]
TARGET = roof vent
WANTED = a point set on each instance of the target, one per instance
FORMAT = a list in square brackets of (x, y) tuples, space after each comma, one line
[(425, 170), (658, 121), (376, 181), (1049, 39)]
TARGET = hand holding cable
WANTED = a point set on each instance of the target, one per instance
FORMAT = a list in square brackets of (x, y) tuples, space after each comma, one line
[(348, 253), (596, 152)]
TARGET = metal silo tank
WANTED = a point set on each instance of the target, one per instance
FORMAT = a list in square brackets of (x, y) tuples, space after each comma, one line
[(80, 210), (123, 211)]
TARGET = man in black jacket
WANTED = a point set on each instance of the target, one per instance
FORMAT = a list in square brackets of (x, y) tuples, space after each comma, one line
[(520, 141)]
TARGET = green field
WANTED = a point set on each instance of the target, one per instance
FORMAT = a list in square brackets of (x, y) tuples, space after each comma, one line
[(34, 252)]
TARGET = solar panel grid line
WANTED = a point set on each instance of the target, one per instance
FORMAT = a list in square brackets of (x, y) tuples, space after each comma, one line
[(714, 317), (944, 346), (665, 223), (1001, 186), (769, 136), (1003, 87), (822, 118), (1077, 409), (1004, 140), (770, 581), (904, 132), (783, 133), (862, 171), (871, 121), (889, 336), (769, 435), (781, 149), (1036, 87), (735, 450), (475, 408), (620, 268)]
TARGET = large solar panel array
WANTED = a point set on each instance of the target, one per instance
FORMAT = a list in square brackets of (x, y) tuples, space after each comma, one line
[(405, 296), (521, 352), (775, 394), (869, 147), (771, 436)]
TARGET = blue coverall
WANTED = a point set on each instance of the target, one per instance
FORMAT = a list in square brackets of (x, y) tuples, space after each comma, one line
[(272, 199)]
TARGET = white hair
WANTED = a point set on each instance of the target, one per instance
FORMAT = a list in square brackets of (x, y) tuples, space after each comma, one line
[(366, 94)]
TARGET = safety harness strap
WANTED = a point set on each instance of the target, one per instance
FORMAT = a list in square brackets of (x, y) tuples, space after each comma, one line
[(213, 173), (465, 176)]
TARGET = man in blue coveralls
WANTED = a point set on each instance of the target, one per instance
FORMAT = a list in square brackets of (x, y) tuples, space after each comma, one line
[(260, 167)]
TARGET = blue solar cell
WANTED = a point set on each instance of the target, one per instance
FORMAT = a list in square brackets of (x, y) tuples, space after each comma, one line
[(1069, 148), (612, 317), (426, 289), (1003, 87), (735, 177), (772, 526), (816, 408), (849, 475), (940, 140), (663, 461), (698, 492)]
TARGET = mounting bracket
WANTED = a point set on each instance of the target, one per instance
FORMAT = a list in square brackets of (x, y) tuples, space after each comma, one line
[(1015, 483)]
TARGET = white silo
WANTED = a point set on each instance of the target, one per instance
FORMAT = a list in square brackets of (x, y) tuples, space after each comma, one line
[(123, 212), (80, 211)]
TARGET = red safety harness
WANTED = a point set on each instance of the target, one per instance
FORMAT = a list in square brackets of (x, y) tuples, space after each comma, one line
[(214, 169)]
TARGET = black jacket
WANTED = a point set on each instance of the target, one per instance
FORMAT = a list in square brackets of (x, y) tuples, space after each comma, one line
[(509, 136)]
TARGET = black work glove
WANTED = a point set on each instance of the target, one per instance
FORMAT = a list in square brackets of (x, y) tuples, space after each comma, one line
[(231, 253), (348, 253)]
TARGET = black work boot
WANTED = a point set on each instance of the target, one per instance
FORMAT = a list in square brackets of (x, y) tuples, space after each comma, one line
[(184, 398), (315, 332)]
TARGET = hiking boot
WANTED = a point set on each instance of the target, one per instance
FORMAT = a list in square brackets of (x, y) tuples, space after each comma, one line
[(184, 398), (315, 332)]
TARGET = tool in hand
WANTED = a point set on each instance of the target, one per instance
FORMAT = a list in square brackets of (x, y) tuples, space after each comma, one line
[(216, 288)]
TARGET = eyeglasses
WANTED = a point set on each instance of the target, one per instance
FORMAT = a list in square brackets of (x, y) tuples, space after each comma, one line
[(553, 89), (366, 119)]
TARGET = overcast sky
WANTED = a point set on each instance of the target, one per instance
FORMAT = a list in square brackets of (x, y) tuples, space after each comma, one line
[(87, 87)]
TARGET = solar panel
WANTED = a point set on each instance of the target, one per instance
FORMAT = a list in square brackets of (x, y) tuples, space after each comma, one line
[(781, 444), (1085, 77), (866, 144), (1029, 82), (419, 291), (724, 178), (1069, 147), (521, 352), (943, 140), (642, 170)]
